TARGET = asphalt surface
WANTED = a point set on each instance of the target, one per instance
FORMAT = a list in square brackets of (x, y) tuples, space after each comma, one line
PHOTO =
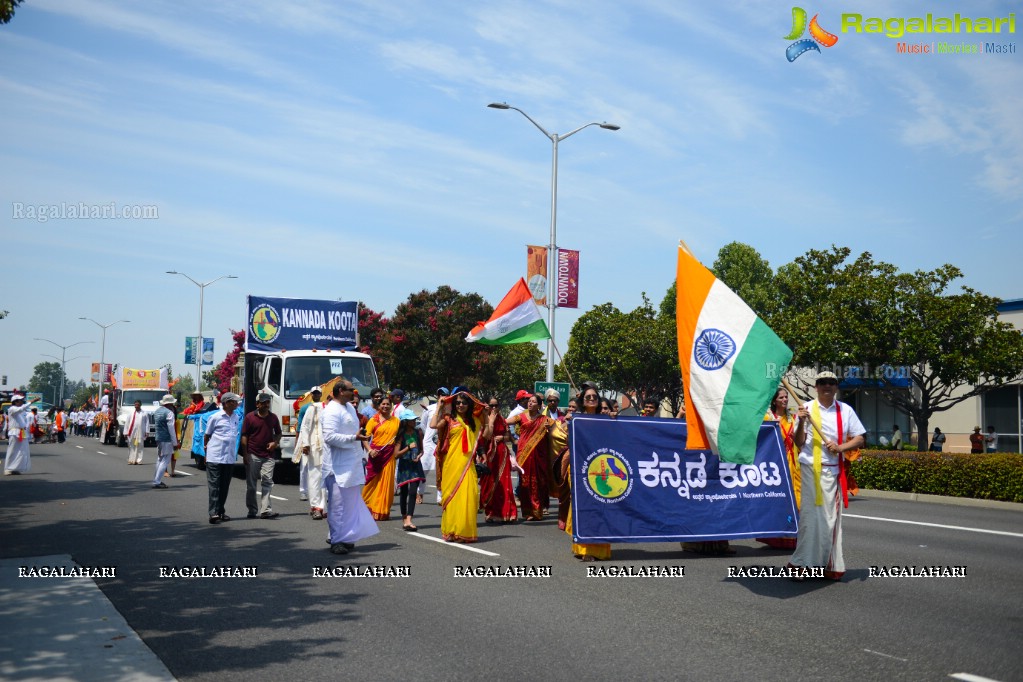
[(287, 624)]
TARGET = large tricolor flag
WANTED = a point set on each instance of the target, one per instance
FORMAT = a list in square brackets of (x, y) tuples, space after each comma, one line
[(731, 363), (515, 320)]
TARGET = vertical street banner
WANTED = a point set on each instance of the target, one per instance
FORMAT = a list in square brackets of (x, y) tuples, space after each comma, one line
[(207, 350), (536, 273), (276, 324), (568, 278), (634, 481), (107, 371)]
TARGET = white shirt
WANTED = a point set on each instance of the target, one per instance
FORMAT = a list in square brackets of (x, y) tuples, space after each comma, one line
[(342, 453), (222, 429), (851, 425), (137, 430), (429, 434), (18, 418)]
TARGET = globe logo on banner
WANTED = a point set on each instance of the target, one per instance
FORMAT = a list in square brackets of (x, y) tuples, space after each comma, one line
[(265, 323), (537, 286), (713, 348), (608, 476)]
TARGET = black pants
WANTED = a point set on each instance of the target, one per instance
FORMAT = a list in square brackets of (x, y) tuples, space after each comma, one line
[(218, 479), (407, 498)]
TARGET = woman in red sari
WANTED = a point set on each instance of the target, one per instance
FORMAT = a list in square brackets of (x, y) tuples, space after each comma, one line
[(378, 492), (534, 482), (497, 495)]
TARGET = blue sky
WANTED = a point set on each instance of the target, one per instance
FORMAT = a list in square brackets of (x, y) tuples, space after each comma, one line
[(345, 150)]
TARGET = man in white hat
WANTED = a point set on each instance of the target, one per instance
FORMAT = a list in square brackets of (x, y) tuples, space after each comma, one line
[(221, 446), (821, 462), (166, 438), (134, 431), (18, 423)]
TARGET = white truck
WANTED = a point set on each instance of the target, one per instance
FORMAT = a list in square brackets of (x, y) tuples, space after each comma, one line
[(288, 375)]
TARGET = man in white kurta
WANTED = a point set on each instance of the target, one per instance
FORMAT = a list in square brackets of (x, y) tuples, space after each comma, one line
[(310, 447), (819, 542), (18, 436), (348, 517), (135, 428)]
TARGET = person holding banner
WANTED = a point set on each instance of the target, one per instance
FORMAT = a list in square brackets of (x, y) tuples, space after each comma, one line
[(557, 450), (497, 494), (600, 551), (833, 429), (460, 495), (533, 461), (380, 470), (779, 412)]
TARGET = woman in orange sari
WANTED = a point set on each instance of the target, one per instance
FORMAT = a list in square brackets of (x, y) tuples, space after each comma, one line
[(459, 485), (533, 461), (600, 551), (779, 412), (557, 450), (378, 493), (497, 496)]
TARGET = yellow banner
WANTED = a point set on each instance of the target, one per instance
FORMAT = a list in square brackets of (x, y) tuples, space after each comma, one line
[(142, 378)]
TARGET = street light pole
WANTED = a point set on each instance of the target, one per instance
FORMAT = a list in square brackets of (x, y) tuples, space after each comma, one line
[(552, 247), (63, 354), (198, 343), (102, 355)]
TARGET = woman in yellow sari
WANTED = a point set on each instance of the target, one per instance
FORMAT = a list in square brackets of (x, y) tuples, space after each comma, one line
[(378, 493), (779, 412), (600, 551), (459, 486)]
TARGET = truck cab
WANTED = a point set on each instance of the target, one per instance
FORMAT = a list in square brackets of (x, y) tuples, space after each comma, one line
[(125, 401), (288, 375)]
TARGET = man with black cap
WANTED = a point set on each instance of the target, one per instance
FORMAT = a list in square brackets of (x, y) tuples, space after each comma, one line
[(19, 436), (834, 429), (261, 446)]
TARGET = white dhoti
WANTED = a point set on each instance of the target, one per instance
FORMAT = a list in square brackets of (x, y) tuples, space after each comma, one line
[(314, 481), (348, 516), (17, 453), (135, 448), (164, 452), (819, 542)]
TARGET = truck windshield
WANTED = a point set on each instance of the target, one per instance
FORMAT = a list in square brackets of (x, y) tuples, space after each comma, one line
[(146, 396), (301, 374)]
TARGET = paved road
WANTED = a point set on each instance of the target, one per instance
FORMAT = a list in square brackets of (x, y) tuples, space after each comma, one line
[(287, 624)]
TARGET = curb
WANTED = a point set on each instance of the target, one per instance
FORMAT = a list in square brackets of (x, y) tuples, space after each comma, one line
[(940, 499)]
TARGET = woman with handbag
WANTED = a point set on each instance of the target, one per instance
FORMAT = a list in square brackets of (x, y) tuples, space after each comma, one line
[(462, 417)]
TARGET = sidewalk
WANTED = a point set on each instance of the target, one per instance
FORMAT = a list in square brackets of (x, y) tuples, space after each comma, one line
[(66, 629), (940, 499)]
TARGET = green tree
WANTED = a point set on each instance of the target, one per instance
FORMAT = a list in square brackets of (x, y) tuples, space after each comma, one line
[(515, 367), (427, 334), (7, 8), (183, 386), (45, 379), (744, 271), (866, 313), (375, 339)]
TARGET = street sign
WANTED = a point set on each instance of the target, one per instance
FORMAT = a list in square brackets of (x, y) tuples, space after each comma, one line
[(562, 389)]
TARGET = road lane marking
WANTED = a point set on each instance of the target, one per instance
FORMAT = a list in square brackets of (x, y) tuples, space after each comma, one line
[(460, 545), (282, 499), (79, 447), (102, 453), (969, 677), (878, 653), (183, 473), (937, 525)]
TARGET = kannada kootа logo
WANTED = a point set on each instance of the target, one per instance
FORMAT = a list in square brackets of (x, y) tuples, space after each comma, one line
[(608, 476), (265, 323), (817, 35)]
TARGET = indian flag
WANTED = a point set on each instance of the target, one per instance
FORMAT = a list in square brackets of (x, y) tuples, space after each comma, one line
[(515, 320), (731, 363)]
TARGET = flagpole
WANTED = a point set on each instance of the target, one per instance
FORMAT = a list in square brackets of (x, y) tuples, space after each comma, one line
[(565, 365), (813, 422)]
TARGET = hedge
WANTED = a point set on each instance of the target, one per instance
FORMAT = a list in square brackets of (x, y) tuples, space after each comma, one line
[(996, 476)]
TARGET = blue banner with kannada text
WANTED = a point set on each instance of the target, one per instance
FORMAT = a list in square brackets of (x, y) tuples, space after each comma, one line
[(634, 481), (276, 324)]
